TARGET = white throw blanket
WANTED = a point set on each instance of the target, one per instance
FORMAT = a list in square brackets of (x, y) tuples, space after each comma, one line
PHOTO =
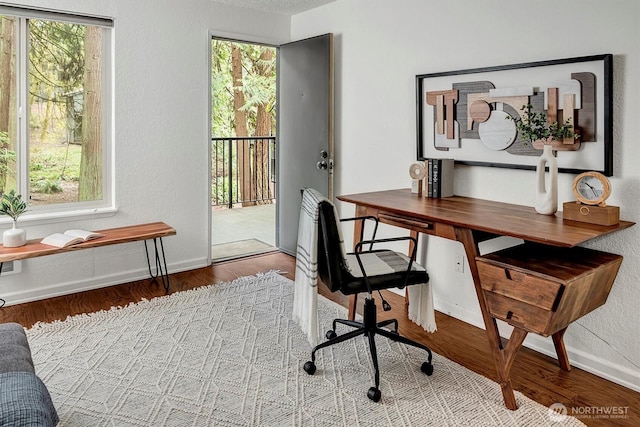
[(421, 306), (306, 283)]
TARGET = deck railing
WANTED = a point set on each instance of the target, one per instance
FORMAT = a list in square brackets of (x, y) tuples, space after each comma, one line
[(242, 171)]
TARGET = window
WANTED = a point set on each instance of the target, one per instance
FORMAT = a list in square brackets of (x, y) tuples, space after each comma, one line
[(55, 108)]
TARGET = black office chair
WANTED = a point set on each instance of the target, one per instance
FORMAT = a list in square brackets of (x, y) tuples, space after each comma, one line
[(364, 271)]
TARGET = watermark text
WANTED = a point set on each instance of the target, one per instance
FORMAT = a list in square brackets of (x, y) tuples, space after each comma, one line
[(558, 412)]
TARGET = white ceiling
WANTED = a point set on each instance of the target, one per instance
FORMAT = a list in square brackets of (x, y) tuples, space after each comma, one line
[(285, 7)]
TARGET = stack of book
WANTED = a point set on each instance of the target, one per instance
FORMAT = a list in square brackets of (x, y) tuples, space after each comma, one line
[(439, 176)]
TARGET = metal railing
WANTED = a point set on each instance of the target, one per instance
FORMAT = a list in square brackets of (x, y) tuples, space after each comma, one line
[(243, 171)]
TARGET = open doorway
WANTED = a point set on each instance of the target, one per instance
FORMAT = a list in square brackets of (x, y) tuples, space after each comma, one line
[(243, 124)]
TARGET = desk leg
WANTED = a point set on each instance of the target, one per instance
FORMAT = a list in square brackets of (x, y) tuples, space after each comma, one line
[(561, 351), (503, 357), (160, 271), (353, 300), (415, 235)]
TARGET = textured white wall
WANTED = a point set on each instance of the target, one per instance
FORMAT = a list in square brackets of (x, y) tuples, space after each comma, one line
[(161, 57), (382, 45)]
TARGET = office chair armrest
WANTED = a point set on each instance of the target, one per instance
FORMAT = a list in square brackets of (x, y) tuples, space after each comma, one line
[(359, 218), (361, 243), (358, 251), (363, 219)]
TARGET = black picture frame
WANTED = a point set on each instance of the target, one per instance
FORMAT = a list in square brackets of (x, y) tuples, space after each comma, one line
[(594, 155)]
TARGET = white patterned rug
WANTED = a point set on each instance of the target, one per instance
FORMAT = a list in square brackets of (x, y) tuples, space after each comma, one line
[(229, 355)]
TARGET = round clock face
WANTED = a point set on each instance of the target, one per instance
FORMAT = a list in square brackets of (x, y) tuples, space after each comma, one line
[(591, 188)]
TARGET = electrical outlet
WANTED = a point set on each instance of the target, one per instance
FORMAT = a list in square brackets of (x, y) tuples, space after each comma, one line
[(459, 263), (11, 267)]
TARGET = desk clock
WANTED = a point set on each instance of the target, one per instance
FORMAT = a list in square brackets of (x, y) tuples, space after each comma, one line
[(591, 189)]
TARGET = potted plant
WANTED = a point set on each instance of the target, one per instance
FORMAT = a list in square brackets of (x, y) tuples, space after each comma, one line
[(533, 126), (12, 204)]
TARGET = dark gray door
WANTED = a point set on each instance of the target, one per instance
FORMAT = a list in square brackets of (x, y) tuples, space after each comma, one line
[(305, 130)]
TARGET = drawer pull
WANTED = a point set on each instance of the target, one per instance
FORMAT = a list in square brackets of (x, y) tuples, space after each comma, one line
[(514, 275), (509, 314)]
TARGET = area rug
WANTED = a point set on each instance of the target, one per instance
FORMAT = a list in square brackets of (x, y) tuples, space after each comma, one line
[(229, 355)]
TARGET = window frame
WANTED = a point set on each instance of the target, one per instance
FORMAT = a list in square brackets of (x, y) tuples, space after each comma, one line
[(62, 212)]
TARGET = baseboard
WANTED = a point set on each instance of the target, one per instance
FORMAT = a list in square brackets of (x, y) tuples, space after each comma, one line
[(459, 313), (588, 362), (67, 288), (596, 365)]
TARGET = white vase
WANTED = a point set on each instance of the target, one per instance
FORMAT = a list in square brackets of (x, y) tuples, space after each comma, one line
[(547, 183), (14, 237)]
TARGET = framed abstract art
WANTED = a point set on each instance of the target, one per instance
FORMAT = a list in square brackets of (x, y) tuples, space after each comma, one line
[(470, 115)]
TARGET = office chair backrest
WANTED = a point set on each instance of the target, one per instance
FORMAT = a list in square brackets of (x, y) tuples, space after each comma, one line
[(332, 267)]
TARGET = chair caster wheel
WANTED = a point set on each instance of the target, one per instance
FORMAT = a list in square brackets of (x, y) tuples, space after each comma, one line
[(331, 334), (374, 394), (309, 368), (427, 368)]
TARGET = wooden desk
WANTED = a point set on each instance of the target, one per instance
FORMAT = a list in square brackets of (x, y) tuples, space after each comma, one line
[(471, 221), (152, 231)]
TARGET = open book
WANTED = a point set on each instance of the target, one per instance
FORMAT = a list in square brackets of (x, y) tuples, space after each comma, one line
[(70, 237)]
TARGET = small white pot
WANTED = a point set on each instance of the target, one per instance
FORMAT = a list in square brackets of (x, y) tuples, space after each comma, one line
[(14, 237)]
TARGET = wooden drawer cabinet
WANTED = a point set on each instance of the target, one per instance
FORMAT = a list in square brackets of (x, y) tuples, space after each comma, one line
[(542, 289)]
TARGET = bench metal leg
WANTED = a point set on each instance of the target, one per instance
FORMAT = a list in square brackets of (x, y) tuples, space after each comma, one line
[(161, 264)]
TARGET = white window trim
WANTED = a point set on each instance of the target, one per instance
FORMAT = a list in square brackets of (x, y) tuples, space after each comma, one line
[(54, 15), (45, 218), (62, 212)]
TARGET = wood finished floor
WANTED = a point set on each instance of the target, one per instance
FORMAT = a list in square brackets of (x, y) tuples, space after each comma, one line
[(535, 375)]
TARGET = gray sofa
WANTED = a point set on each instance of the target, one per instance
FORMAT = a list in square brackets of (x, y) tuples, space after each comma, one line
[(24, 399)]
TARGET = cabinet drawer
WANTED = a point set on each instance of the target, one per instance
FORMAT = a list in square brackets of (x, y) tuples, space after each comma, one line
[(543, 289), (409, 223), (519, 285), (420, 225), (518, 314)]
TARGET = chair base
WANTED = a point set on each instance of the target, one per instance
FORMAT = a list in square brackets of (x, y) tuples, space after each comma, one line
[(368, 327)]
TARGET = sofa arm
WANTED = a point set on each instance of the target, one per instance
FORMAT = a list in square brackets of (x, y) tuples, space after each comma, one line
[(25, 401), (15, 354)]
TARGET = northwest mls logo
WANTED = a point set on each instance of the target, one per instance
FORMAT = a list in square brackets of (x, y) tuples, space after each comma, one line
[(557, 412)]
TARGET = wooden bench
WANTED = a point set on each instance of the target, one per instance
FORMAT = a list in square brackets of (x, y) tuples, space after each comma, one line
[(112, 236)]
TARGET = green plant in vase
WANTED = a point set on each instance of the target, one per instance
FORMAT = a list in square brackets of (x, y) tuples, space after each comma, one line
[(532, 126), (11, 204)]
